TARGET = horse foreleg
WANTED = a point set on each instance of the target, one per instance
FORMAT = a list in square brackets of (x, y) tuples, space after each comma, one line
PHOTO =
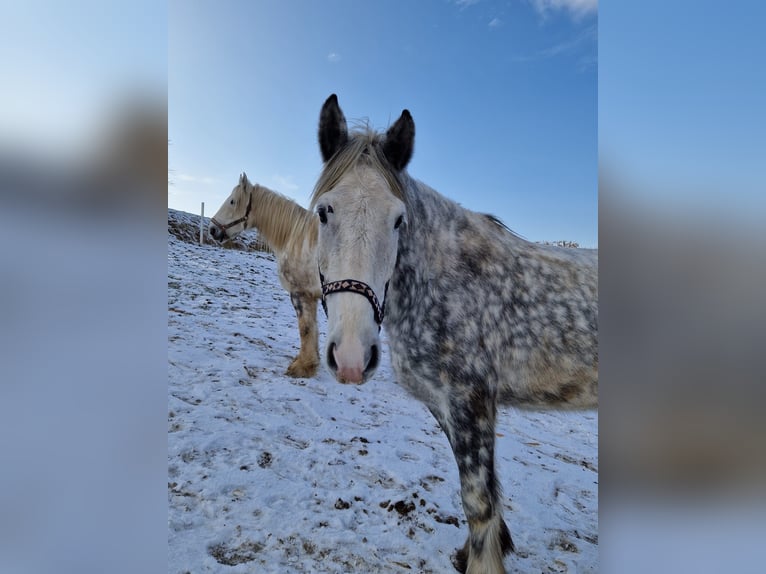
[(307, 361), (470, 428)]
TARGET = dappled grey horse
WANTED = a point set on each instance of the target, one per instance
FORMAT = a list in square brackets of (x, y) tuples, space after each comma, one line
[(475, 315)]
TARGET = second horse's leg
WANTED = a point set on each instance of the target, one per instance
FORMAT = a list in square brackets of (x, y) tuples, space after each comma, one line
[(307, 361)]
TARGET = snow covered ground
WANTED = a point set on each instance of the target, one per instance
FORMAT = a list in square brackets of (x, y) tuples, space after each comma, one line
[(272, 474)]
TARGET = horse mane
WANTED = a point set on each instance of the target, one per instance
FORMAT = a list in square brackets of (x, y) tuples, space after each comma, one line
[(280, 220), (497, 221), (501, 224), (364, 145)]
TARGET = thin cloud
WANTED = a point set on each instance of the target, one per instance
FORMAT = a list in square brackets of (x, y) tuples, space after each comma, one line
[(577, 8), (284, 183), (465, 3), (570, 45), (579, 43), (495, 23), (333, 57)]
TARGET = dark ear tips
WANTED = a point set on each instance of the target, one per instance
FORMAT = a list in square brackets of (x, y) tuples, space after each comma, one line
[(333, 131), (400, 141), (333, 135)]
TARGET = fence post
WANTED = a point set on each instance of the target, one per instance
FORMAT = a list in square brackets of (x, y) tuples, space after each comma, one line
[(202, 224)]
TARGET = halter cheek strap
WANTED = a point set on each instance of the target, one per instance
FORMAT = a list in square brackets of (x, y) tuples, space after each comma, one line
[(354, 286), (223, 227)]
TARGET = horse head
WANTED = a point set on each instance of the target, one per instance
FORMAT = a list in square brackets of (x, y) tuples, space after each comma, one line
[(362, 212), (231, 218)]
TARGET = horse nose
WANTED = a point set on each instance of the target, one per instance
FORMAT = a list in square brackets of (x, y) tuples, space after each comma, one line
[(347, 370), (213, 232), (372, 362)]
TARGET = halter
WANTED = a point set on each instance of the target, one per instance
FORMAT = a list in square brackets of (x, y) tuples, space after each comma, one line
[(354, 286), (223, 227)]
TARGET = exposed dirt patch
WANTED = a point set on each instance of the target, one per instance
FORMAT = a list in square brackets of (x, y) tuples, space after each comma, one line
[(582, 462), (402, 507), (447, 520), (341, 504), (264, 459), (245, 552)]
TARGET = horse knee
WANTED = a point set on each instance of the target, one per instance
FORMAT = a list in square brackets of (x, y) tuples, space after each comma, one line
[(298, 301)]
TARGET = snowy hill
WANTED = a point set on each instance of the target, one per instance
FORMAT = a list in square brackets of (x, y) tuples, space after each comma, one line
[(185, 226), (272, 474)]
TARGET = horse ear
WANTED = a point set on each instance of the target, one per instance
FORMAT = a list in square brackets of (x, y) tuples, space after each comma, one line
[(333, 131), (400, 141), (242, 178)]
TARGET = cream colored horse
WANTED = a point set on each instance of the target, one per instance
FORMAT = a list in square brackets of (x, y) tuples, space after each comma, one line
[(291, 232)]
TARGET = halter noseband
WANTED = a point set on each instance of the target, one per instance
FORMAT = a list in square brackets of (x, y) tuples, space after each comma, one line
[(354, 286), (223, 227)]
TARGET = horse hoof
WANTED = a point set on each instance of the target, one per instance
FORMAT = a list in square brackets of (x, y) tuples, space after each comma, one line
[(460, 560), (301, 371)]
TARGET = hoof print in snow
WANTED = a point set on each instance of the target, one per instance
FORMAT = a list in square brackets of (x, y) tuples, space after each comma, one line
[(428, 481), (561, 542)]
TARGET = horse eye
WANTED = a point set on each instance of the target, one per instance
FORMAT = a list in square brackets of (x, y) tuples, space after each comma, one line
[(232, 202), (399, 221), (322, 212)]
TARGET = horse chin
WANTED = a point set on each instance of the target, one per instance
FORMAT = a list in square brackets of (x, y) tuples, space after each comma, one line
[(223, 240), (350, 377)]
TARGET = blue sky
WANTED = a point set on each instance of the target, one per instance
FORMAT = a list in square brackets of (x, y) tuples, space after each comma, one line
[(681, 117), (503, 94)]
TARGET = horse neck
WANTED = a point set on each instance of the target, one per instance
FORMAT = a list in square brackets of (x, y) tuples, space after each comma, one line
[(432, 244), (276, 217), (428, 211)]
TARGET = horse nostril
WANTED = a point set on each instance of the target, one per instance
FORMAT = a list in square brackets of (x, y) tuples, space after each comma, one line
[(372, 364), (331, 357), (212, 231)]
